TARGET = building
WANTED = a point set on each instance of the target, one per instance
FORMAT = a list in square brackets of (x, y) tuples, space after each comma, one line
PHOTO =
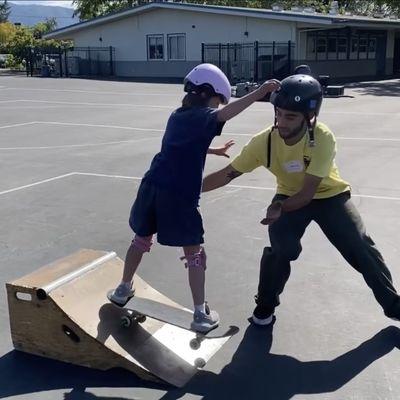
[(166, 39)]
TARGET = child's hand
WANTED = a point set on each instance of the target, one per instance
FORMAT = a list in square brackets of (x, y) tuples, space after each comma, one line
[(221, 151), (268, 87)]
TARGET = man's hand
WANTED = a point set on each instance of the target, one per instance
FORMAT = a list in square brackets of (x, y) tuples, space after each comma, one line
[(267, 87), (274, 211), (221, 151)]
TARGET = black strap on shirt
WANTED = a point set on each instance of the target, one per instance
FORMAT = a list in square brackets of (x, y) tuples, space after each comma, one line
[(269, 148)]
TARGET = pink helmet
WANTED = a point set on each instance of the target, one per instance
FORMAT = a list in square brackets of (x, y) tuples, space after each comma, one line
[(211, 75)]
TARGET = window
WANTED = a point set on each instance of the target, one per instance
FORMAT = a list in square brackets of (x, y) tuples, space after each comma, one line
[(332, 48), (341, 45), (177, 47), (342, 48), (321, 48), (362, 45), (155, 47), (372, 48)]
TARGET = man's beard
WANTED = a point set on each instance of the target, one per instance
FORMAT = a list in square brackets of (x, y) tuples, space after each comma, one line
[(294, 132)]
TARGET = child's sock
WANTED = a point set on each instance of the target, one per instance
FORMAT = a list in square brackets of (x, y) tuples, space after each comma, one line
[(200, 307)]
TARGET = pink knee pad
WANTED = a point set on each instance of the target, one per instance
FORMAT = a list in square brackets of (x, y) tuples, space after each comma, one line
[(142, 243), (196, 260)]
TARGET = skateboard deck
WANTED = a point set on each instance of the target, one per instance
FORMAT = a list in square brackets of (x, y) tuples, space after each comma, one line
[(140, 308)]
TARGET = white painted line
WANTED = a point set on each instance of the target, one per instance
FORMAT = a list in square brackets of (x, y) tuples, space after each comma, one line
[(131, 128), (234, 186), (162, 130), (15, 125), (366, 196), (76, 103), (135, 178), (9, 101), (91, 91), (78, 145), (251, 187), (37, 183)]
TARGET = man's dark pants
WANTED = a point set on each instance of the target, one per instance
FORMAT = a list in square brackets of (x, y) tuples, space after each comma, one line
[(342, 224)]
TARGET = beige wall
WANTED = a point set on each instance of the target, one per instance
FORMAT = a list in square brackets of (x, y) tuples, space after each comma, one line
[(128, 36)]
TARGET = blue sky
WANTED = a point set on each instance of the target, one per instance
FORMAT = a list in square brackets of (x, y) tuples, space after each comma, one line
[(62, 3)]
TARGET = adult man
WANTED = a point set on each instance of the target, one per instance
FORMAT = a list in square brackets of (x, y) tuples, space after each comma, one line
[(300, 152)]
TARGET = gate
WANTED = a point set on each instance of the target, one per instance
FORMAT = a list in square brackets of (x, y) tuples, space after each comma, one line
[(253, 62)]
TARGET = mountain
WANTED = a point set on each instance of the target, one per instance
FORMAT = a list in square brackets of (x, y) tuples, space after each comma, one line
[(31, 14)]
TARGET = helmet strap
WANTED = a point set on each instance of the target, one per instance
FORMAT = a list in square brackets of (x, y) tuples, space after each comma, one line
[(310, 129)]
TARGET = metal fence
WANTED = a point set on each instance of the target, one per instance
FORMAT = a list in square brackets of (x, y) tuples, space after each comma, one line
[(254, 62), (74, 61)]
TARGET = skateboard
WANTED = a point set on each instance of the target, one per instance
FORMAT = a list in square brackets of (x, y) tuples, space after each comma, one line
[(139, 308)]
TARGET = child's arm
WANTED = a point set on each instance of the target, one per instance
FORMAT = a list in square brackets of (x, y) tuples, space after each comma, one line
[(236, 107), (221, 151)]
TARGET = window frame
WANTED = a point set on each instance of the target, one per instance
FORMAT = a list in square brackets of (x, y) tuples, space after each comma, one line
[(172, 35), (157, 36)]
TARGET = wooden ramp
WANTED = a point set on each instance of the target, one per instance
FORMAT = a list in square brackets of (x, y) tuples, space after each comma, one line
[(61, 311)]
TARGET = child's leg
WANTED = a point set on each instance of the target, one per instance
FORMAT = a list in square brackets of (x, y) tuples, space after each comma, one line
[(204, 319), (134, 255), (196, 272)]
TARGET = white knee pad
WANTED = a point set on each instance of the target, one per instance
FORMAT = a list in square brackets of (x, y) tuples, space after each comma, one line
[(142, 243), (196, 260)]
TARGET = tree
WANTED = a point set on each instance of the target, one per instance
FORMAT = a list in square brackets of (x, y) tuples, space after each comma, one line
[(42, 28), (5, 10), (87, 9), (7, 29)]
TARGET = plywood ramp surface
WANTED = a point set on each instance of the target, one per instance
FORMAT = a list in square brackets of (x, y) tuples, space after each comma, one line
[(76, 323)]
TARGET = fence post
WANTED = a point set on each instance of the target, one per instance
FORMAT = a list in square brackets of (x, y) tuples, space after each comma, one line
[(90, 61), (66, 63), (28, 60), (255, 77), (111, 61), (202, 52), (219, 54), (273, 59), (60, 61), (228, 62)]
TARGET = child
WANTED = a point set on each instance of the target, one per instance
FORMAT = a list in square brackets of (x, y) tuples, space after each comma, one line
[(168, 197)]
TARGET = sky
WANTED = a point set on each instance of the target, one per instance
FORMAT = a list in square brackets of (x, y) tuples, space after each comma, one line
[(62, 3)]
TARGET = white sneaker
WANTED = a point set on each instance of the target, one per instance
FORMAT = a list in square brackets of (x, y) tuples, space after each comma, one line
[(204, 322), (122, 294)]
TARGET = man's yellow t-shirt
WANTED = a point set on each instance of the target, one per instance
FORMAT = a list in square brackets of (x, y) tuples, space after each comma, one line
[(290, 163)]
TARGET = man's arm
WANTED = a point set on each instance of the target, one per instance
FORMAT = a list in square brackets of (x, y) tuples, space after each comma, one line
[(298, 200), (219, 178), (306, 194)]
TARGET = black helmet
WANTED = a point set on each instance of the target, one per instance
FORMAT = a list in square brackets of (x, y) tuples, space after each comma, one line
[(303, 69), (299, 93)]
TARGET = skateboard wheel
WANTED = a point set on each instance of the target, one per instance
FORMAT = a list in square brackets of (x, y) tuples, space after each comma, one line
[(126, 322), (194, 344), (199, 362), (141, 319)]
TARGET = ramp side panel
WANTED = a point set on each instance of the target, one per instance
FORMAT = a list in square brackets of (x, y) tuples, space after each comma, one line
[(40, 327)]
